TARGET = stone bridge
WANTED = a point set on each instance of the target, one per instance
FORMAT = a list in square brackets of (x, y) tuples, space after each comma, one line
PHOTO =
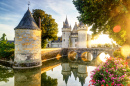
[(94, 51)]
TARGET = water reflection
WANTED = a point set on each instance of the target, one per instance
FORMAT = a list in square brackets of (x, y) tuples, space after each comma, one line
[(27, 77), (55, 72), (47, 80), (5, 73), (78, 70)]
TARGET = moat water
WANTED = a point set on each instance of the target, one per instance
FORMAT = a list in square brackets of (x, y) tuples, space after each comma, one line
[(56, 72)]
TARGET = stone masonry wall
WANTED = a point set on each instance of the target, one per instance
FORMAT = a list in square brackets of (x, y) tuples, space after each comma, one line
[(27, 45)]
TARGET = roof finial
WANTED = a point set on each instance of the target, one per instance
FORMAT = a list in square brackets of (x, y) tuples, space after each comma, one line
[(28, 4)]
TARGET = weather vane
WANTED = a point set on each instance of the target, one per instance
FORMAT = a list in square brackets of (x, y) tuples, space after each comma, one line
[(28, 4)]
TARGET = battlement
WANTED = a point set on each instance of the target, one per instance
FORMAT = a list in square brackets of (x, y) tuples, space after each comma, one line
[(66, 29), (82, 28)]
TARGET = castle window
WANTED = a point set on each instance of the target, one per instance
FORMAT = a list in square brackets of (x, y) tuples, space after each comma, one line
[(75, 40)]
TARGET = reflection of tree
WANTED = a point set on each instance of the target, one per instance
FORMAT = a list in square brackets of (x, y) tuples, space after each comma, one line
[(5, 74), (47, 80)]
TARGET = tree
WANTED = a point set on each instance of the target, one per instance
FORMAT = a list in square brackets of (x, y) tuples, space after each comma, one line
[(3, 38), (104, 16), (48, 26), (6, 49)]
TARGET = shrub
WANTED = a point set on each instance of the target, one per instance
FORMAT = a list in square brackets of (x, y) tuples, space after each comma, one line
[(114, 72), (6, 49), (117, 54)]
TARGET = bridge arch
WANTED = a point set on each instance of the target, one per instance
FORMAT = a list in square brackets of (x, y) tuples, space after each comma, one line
[(86, 56), (72, 56), (103, 56)]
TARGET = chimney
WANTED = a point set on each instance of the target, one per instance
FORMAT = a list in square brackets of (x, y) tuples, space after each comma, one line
[(39, 22)]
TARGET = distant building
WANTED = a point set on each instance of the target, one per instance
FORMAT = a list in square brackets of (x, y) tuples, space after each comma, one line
[(76, 38), (55, 43), (10, 41)]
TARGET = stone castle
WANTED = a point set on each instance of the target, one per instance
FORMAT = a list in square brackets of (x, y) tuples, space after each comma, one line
[(76, 38)]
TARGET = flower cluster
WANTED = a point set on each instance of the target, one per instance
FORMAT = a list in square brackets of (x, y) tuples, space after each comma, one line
[(111, 73)]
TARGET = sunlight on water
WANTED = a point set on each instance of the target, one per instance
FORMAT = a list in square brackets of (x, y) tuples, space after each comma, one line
[(104, 56)]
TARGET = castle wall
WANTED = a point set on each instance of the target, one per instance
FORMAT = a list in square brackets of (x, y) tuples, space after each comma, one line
[(27, 46), (88, 41), (65, 39), (82, 39), (74, 42)]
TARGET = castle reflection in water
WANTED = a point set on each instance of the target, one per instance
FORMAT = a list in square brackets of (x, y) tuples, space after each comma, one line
[(56, 72)]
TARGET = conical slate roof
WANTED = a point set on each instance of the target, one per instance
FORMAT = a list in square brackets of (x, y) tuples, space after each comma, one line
[(66, 24), (75, 27), (66, 21), (81, 24), (27, 22)]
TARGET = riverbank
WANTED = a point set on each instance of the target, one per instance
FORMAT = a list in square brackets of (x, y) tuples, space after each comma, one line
[(46, 54), (50, 53)]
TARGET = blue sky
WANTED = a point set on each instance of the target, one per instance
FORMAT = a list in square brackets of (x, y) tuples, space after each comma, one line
[(12, 11)]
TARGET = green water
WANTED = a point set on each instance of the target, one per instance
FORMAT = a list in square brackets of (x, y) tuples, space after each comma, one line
[(52, 73)]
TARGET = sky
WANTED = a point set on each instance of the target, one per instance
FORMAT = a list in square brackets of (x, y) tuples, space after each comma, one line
[(12, 11)]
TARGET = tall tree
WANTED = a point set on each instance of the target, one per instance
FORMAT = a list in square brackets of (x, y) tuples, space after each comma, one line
[(106, 16), (3, 37), (48, 26)]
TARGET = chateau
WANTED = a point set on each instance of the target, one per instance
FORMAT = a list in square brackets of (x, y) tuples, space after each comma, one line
[(76, 38)]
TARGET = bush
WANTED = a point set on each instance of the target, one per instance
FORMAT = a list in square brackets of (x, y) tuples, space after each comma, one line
[(117, 54), (6, 49), (114, 72)]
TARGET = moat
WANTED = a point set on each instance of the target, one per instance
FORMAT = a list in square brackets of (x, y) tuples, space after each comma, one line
[(55, 72)]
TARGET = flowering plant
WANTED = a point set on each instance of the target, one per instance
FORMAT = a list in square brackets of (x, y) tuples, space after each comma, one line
[(111, 73)]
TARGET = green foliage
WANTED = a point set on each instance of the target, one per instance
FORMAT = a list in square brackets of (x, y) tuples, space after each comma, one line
[(48, 26), (47, 80), (104, 15), (117, 54), (6, 49), (114, 72)]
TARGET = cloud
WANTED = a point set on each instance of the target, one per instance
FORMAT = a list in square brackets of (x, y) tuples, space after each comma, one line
[(63, 8), (3, 9), (8, 30), (1, 3)]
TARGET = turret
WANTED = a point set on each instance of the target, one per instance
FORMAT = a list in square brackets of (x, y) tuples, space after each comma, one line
[(74, 36), (75, 28), (27, 43), (82, 35), (66, 31)]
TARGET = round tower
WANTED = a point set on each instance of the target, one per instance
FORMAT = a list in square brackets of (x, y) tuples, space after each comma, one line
[(27, 43), (66, 31), (82, 35)]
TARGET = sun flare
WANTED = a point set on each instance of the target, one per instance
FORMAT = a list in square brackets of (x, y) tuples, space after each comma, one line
[(102, 39), (104, 56)]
